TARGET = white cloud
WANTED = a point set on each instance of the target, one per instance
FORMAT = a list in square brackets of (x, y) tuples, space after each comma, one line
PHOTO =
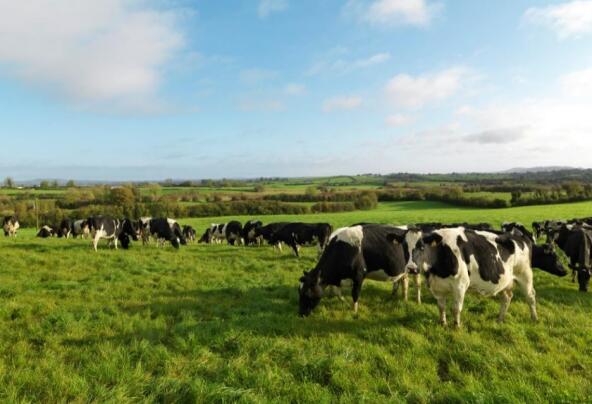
[(397, 120), (294, 89), (342, 103), (393, 12), (340, 65), (109, 52), (577, 84), (570, 19), (267, 7), (257, 104), (414, 92)]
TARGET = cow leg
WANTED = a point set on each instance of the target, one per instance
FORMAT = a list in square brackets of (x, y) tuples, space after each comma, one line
[(418, 286), (457, 306), (295, 249), (506, 298), (441, 300), (95, 242), (115, 242), (405, 281), (526, 284)]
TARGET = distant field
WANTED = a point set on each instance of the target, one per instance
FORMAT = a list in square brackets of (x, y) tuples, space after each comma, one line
[(220, 324)]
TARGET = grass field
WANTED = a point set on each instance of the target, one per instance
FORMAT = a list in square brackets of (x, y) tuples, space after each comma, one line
[(219, 324)]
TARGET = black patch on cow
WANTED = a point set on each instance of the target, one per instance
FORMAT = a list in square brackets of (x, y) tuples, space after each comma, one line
[(490, 265), (446, 262), (506, 247)]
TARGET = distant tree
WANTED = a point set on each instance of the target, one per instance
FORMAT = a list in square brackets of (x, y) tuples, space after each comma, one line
[(55, 184), (124, 198), (311, 191), (44, 184), (259, 188), (70, 184), (154, 191), (8, 182)]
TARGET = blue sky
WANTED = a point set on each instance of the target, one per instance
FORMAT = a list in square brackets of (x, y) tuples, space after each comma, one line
[(142, 89)]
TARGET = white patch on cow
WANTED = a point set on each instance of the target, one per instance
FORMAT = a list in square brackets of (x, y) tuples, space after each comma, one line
[(402, 227), (350, 235)]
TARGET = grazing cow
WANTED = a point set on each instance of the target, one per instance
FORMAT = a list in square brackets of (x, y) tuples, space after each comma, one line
[(233, 232), (166, 230), (80, 229), (10, 225), (509, 226), (267, 232), (576, 242), (538, 229), (111, 229), (65, 228), (249, 231), (189, 233), (457, 259), (144, 229), (299, 234), (213, 234), (45, 232), (356, 253)]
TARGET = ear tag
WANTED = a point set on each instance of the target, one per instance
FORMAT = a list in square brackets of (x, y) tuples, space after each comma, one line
[(434, 244)]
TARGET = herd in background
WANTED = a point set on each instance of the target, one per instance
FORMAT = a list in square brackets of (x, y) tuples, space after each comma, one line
[(453, 258)]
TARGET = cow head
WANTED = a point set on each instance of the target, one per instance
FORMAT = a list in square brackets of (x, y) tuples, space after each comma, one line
[(408, 239), (124, 240), (127, 228), (545, 257), (429, 251), (310, 292), (584, 278), (207, 236)]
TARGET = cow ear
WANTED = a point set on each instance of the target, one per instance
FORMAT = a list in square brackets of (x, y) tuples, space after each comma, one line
[(433, 239), (396, 238)]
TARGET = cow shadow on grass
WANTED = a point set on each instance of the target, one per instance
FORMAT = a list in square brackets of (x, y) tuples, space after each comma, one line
[(209, 315), (567, 295)]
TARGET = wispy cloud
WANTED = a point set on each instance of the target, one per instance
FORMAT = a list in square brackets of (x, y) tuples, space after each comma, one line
[(294, 89), (397, 120), (342, 103), (268, 7), (416, 91), (338, 64), (260, 104), (569, 19), (110, 53), (577, 84), (393, 12), (257, 76), (497, 136)]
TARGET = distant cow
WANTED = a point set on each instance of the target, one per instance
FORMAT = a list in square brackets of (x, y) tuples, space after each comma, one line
[(353, 253), (10, 225), (509, 226), (65, 228), (144, 229), (45, 232), (456, 260), (213, 234), (233, 232), (249, 232), (576, 242), (111, 229), (164, 229), (267, 232), (299, 234), (189, 233), (80, 229)]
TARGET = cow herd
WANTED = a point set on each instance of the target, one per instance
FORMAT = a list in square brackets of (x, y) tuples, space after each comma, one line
[(452, 259)]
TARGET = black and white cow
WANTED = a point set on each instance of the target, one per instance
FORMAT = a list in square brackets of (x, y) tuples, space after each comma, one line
[(114, 230), (233, 232), (144, 229), (300, 234), (456, 260), (408, 238), (80, 229), (45, 232), (189, 233), (353, 253), (267, 232), (10, 225), (65, 228), (214, 234), (576, 242), (509, 226), (164, 229), (249, 232)]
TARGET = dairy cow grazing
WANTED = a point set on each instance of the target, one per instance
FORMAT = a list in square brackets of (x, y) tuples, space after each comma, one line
[(456, 260), (576, 242), (80, 229), (144, 229), (353, 253), (164, 229), (214, 234), (233, 232), (189, 233), (250, 231), (65, 228), (113, 230), (45, 232), (268, 231), (300, 234), (10, 225)]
